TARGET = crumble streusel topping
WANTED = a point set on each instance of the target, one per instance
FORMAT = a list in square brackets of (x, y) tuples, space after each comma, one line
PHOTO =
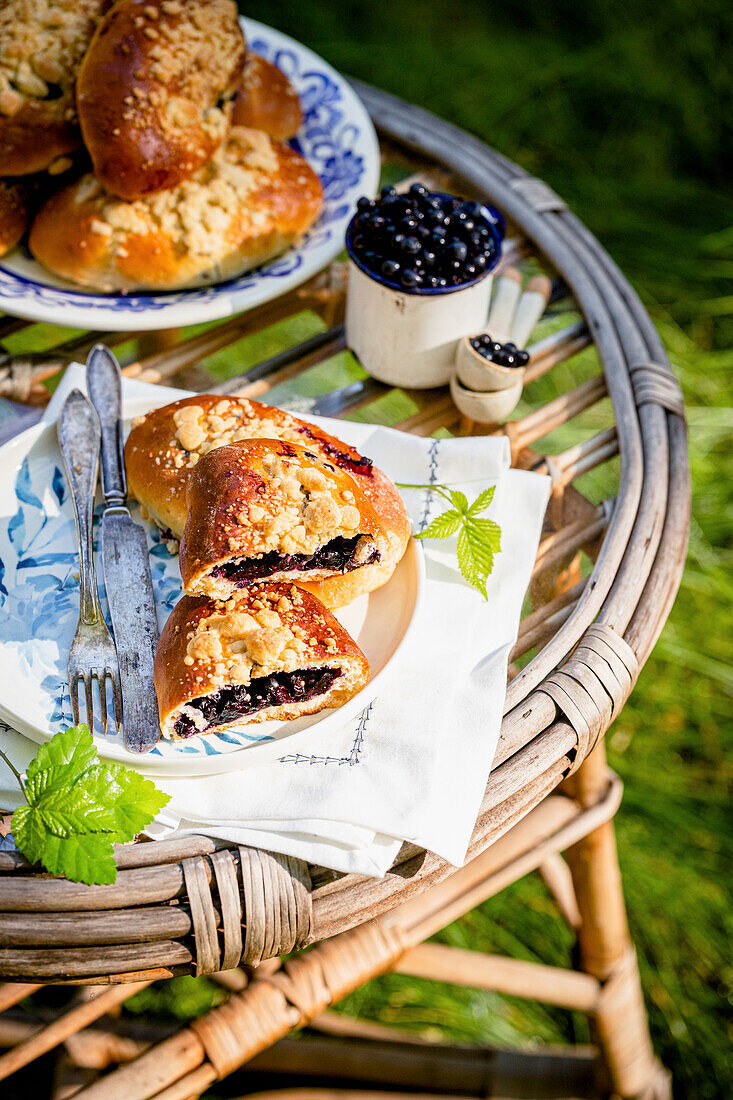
[(245, 638), (202, 214), (42, 43), (307, 503)]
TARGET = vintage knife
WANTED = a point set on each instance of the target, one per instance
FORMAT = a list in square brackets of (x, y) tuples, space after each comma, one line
[(126, 564)]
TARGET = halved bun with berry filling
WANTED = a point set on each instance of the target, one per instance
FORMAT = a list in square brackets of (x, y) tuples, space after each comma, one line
[(246, 205), (165, 446), (152, 88), (266, 100), (268, 509), (270, 652)]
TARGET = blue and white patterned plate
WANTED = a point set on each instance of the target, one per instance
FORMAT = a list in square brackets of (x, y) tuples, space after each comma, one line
[(39, 604), (338, 140)]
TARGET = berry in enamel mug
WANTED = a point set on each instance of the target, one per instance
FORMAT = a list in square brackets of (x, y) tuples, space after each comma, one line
[(504, 355), (423, 239)]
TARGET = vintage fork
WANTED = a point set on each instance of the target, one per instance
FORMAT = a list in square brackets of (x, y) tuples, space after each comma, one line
[(92, 655)]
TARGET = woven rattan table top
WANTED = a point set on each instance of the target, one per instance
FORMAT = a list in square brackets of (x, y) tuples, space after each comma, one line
[(602, 414)]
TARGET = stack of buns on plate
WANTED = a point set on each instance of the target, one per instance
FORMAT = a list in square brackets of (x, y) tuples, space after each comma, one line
[(143, 145), (277, 522)]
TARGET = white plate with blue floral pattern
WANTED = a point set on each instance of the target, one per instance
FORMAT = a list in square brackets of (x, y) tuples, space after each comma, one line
[(39, 604), (337, 139)]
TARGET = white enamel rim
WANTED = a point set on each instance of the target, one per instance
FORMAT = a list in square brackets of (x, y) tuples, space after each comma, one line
[(184, 308), (404, 590)]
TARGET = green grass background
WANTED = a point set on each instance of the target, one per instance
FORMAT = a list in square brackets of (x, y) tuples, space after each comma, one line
[(624, 108)]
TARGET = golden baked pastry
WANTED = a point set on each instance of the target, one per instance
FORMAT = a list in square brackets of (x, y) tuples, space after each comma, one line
[(269, 509), (164, 447), (266, 100), (150, 91), (246, 205), (42, 43), (15, 211), (271, 652)]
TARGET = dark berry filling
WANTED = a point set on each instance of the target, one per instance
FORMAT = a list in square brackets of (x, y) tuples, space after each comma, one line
[(166, 534), (338, 555), (424, 240), (504, 355), (360, 465), (237, 701)]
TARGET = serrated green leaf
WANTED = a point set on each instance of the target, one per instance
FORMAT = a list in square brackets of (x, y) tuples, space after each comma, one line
[(442, 527), (459, 500), (29, 832), (78, 808), (482, 501), (87, 857), (489, 531), (481, 547), (63, 759), (471, 569), (138, 802)]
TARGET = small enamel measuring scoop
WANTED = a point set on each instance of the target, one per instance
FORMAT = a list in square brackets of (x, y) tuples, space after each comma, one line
[(512, 317)]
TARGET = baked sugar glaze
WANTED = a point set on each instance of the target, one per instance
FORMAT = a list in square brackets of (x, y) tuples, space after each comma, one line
[(338, 555), (240, 700)]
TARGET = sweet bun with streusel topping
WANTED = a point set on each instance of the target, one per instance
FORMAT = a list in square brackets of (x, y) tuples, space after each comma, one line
[(164, 447), (268, 509), (244, 206), (16, 195), (271, 652), (266, 100), (152, 88), (42, 43)]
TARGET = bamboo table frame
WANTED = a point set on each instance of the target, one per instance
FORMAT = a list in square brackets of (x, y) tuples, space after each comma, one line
[(195, 906)]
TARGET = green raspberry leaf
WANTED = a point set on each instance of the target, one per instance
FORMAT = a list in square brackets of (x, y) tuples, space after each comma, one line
[(482, 501), (29, 832), (86, 857), (459, 500), (137, 802), (78, 808), (470, 566), (442, 527), (478, 539), (62, 760), (489, 532)]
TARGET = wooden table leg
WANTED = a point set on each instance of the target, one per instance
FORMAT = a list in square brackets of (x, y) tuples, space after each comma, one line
[(606, 951)]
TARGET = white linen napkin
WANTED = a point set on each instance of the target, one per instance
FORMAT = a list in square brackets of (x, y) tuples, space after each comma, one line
[(414, 765)]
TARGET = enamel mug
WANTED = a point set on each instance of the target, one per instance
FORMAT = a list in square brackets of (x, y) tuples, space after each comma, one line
[(409, 338)]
